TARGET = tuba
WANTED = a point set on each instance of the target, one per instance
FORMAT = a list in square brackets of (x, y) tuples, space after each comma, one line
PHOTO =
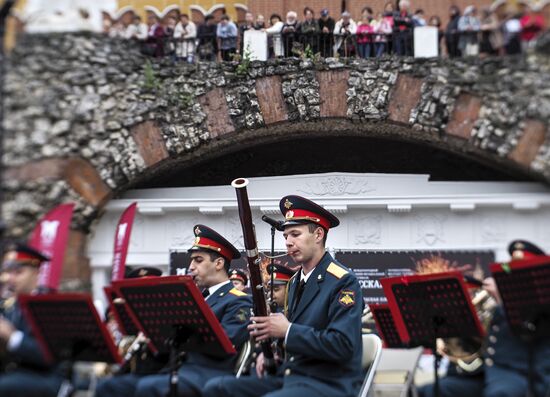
[(466, 353)]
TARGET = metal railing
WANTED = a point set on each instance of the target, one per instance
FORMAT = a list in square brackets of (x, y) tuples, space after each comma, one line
[(362, 45)]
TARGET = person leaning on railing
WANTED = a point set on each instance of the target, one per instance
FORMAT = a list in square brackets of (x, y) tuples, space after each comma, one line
[(227, 39), (365, 34), (206, 36), (247, 25), (326, 27), (185, 34), (275, 42), (308, 31), (451, 32), (383, 29), (469, 27), (344, 32), (290, 32), (403, 29)]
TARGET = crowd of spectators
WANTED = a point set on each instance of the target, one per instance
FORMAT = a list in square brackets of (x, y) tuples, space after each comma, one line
[(373, 33)]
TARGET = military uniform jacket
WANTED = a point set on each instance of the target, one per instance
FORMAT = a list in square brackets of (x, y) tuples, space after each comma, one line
[(324, 341), (28, 354), (507, 351), (232, 309)]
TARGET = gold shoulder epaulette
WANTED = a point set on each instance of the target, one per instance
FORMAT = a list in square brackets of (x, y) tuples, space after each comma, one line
[(336, 270), (236, 292)]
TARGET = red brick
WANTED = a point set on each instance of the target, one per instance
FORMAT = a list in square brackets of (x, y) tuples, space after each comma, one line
[(85, 180), (78, 173), (404, 98), (151, 146), (271, 100), (49, 169), (333, 85), (214, 105), (534, 135), (464, 116), (76, 264)]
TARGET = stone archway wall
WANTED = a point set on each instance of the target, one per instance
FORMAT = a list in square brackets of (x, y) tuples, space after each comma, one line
[(88, 116)]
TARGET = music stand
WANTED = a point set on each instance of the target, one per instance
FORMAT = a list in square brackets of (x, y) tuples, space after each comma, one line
[(120, 312), (173, 314), (431, 306), (524, 287), (68, 328), (385, 325)]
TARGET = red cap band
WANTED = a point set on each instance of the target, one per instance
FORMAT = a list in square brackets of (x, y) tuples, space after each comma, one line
[(206, 243), (281, 276), (305, 215)]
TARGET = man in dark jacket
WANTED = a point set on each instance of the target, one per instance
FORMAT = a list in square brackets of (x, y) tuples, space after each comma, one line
[(27, 372), (322, 329), (211, 255)]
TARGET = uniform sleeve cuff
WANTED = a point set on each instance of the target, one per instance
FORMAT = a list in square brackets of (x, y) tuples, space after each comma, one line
[(15, 340), (287, 332)]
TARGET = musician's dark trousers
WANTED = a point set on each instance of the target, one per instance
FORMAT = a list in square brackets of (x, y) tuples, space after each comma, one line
[(120, 386), (269, 386), (22, 383), (191, 380)]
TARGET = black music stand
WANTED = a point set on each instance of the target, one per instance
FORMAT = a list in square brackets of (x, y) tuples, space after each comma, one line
[(524, 287), (68, 328), (120, 312), (386, 327), (432, 306), (172, 313)]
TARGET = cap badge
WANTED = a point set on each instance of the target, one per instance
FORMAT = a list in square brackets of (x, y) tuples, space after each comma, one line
[(289, 215), (142, 272), (197, 240), (197, 231), (288, 204)]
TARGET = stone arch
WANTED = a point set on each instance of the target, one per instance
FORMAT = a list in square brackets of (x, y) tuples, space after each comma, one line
[(100, 119)]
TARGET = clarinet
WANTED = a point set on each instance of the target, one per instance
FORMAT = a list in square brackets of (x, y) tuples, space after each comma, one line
[(253, 258), (132, 351)]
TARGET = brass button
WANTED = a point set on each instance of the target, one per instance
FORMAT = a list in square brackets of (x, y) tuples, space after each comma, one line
[(287, 371), (291, 359), (491, 350), (489, 362), (492, 338)]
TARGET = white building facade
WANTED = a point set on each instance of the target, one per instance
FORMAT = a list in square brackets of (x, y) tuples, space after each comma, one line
[(378, 212)]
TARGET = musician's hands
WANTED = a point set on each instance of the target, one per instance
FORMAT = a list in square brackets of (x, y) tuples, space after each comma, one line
[(6, 329), (260, 365), (272, 326), (490, 286)]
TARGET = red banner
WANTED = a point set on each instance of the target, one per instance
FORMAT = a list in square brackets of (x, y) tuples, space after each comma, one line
[(122, 239), (50, 237)]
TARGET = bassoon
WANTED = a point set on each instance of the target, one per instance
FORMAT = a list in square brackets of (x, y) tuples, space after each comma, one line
[(254, 260)]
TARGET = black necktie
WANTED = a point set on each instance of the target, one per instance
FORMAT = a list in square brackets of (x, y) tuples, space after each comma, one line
[(206, 293), (299, 293)]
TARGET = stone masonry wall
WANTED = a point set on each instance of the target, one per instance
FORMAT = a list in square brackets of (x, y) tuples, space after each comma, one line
[(87, 116)]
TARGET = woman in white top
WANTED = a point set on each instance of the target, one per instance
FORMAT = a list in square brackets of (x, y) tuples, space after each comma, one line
[(344, 29), (186, 32), (274, 33)]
